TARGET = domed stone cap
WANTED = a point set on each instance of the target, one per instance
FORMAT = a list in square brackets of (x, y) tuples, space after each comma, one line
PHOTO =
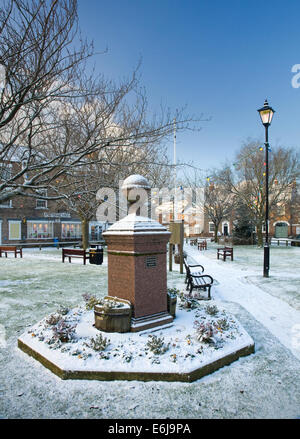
[(134, 181), (133, 224)]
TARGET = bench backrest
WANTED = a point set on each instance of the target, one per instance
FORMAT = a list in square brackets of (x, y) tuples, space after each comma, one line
[(186, 265), (72, 251), (8, 248)]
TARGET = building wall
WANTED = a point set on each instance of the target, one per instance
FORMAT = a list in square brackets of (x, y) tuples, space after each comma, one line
[(39, 221), (35, 223)]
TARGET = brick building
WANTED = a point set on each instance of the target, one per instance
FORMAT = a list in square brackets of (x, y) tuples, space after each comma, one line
[(29, 220), (283, 223)]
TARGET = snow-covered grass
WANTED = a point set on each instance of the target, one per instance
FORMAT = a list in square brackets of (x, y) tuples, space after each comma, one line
[(284, 280), (274, 301), (263, 385)]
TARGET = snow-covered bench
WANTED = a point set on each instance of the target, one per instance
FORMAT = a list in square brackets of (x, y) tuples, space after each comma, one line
[(197, 280), (71, 253), (225, 251), (202, 245), (188, 269)]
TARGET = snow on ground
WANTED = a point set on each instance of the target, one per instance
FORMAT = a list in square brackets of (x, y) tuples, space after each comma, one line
[(254, 292), (262, 385)]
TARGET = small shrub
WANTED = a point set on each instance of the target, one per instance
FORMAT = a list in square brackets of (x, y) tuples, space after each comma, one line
[(204, 332), (104, 355), (63, 310), (173, 358), (222, 324), (156, 345), (173, 292), (98, 343), (63, 331), (127, 358), (186, 301), (90, 301), (110, 303), (53, 319), (211, 310)]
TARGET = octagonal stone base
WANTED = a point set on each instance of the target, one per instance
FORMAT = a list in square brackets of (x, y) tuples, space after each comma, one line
[(189, 377), (128, 356)]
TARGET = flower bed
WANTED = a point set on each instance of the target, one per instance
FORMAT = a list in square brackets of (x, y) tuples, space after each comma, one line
[(201, 335)]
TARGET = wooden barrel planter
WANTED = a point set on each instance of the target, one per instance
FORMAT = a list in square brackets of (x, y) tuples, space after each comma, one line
[(115, 318), (177, 258), (171, 304)]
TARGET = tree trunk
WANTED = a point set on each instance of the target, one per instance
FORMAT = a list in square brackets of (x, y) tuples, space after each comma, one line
[(85, 233), (216, 234)]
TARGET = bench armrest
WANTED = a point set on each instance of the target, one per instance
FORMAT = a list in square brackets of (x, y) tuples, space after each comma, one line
[(193, 266), (203, 276)]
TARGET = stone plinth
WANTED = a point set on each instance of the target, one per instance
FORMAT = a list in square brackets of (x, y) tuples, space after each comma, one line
[(137, 271)]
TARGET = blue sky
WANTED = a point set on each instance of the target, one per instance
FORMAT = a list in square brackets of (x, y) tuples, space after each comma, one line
[(220, 58)]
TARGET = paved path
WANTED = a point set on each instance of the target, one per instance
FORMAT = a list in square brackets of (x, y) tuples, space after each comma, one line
[(282, 320)]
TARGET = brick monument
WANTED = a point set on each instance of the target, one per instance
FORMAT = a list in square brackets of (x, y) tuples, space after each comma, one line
[(137, 271)]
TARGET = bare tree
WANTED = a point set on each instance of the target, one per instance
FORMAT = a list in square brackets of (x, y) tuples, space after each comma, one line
[(39, 64), (51, 116), (77, 188), (217, 202), (37, 54), (293, 206), (247, 180)]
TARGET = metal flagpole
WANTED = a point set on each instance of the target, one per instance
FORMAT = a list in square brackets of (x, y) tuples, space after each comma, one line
[(174, 151)]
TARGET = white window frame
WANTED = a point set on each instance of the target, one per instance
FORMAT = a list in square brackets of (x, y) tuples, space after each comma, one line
[(69, 223), (38, 222), (9, 232), (285, 222), (263, 228), (5, 206), (39, 200)]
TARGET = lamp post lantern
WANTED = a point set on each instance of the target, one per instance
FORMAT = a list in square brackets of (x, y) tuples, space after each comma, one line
[(266, 114)]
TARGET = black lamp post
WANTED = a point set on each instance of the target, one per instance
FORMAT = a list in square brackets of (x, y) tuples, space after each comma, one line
[(266, 114)]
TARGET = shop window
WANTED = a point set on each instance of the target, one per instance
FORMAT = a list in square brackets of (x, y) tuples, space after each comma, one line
[(39, 230), (71, 230)]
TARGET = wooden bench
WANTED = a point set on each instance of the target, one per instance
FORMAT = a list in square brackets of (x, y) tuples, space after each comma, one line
[(71, 253), (193, 241), (202, 245), (225, 251), (12, 249), (197, 280), (188, 270)]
